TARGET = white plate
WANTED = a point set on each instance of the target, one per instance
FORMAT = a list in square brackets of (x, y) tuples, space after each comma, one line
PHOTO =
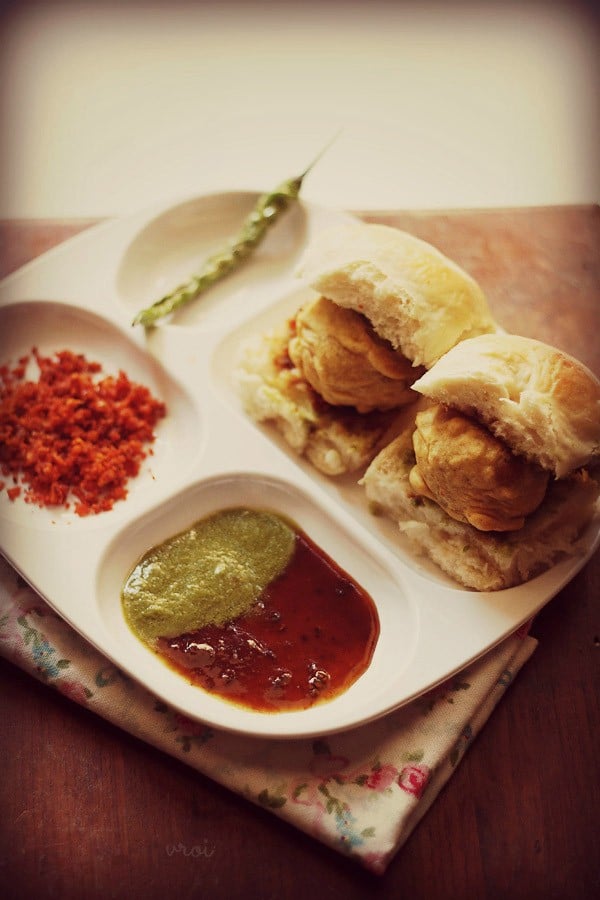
[(209, 455)]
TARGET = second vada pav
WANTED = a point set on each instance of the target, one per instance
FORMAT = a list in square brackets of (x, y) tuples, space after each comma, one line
[(497, 478)]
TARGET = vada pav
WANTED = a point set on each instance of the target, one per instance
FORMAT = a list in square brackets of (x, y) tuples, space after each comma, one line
[(387, 305), (497, 478)]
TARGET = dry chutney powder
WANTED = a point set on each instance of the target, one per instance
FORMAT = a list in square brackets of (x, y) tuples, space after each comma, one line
[(72, 433)]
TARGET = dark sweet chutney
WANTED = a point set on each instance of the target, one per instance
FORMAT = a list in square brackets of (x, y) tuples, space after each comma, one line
[(306, 637)]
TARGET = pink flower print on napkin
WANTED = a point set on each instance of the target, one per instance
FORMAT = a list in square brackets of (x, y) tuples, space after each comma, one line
[(74, 690), (381, 777), (413, 778)]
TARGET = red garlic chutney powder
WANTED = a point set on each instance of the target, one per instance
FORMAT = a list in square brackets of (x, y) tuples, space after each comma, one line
[(72, 436)]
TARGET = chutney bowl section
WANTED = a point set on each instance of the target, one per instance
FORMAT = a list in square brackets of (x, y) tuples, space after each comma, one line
[(396, 612)]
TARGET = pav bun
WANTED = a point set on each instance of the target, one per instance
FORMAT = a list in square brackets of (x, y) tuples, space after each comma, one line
[(414, 297), (542, 405)]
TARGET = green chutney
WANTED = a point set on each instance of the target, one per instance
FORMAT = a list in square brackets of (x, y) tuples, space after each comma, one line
[(207, 575)]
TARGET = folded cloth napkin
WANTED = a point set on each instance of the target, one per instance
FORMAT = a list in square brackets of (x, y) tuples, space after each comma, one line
[(360, 792)]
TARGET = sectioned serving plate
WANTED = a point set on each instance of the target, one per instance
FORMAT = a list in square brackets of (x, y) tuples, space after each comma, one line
[(208, 456)]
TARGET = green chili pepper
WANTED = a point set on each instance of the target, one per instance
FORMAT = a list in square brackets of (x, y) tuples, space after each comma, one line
[(266, 212)]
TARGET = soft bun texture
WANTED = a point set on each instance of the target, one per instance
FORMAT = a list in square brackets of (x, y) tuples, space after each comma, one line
[(415, 297), (478, 560), (273, 391), (345, 362), (542, 403)]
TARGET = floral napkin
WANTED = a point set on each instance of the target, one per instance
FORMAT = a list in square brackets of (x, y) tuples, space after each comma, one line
[(360, 792)]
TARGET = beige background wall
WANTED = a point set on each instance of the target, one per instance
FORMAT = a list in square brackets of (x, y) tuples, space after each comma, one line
[(108, 108)]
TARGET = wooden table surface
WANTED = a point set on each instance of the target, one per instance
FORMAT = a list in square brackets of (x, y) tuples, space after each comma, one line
[(87, 811)]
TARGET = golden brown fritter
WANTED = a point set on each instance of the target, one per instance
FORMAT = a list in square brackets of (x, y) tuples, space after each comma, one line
[(471, 474), (343, 359)]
